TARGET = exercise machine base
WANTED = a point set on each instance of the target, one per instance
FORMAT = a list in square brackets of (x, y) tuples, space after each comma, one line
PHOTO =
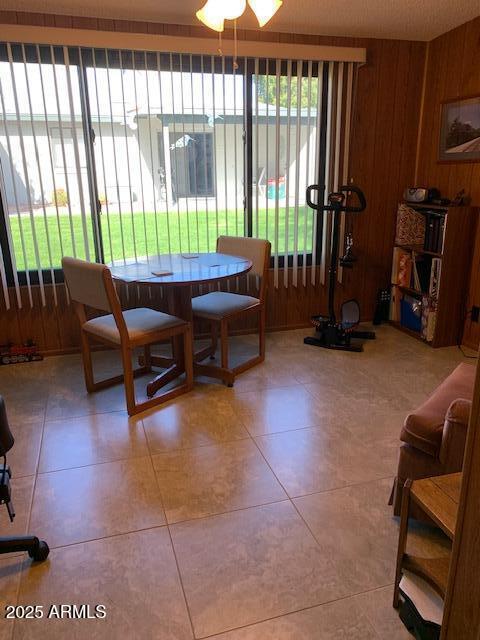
[(342, 342)]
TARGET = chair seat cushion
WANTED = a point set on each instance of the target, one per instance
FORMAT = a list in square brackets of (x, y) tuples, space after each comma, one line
[(139, 322), (423, 428), (220, 304)]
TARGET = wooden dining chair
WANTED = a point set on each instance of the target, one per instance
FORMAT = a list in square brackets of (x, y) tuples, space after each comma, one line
[(91, 285), (221, 307)]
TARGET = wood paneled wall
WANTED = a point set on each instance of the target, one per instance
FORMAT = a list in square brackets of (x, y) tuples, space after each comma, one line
[(453, 65), (383, 150)]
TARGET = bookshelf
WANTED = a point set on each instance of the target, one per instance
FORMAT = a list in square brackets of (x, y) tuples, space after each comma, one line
[(430, 274)]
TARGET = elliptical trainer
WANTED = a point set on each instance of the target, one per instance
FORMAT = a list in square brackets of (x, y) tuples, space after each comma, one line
[(330, 333)]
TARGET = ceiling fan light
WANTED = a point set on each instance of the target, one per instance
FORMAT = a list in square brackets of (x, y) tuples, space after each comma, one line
[(212, 16), (265, 9), (233, 9)]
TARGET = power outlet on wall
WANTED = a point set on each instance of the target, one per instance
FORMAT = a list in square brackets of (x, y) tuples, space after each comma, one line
[(475, 314)]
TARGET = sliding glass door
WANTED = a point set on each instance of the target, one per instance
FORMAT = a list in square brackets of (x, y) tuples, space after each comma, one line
[(116, 155)]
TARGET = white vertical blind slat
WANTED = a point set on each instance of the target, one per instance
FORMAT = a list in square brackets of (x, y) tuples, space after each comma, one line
[(140, 168), (10, 245), (287, 174), (166, 154), (195, 154), (346, 150), (256, 163), (6, 210), (150, 146), (40, 178), (235, 150), (267, 145), (214, 127), (328, 174), (318, 132), (102, 155), (225, 166), (185, 176), (175, 156), (307, 172), (127, 155), (115, 163), (204, 130), (298, 157), (76, 153), (27, 182), (277, 168)]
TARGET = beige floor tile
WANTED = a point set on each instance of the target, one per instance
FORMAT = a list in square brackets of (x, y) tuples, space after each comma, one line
[(70, 399), (333, 621), (240, 568), (377, 607), (215, 479), (355, 528), (282, 409), (312, 460), (10, 570), (76, 505), (90, 439), (22, 489), (27, 403), (193, 421), (23, 457), (133, 575)]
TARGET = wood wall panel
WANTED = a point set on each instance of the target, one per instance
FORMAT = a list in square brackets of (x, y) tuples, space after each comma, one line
[(384, 134), (452, 72)]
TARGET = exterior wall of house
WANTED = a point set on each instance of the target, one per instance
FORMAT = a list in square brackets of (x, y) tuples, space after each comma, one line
[(134, 173)]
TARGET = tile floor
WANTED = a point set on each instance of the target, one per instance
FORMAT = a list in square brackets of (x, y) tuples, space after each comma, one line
[(253, 513)]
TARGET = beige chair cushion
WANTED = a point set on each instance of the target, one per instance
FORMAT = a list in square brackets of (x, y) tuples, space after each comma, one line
[(220, 304), (139, 322)]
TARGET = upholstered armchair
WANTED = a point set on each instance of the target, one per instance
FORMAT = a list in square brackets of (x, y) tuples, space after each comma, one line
[(434, 435)]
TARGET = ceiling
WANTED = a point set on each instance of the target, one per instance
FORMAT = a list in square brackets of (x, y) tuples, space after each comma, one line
[(403, 19)]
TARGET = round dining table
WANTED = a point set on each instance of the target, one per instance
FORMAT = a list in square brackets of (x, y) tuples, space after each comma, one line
[(176, 274)]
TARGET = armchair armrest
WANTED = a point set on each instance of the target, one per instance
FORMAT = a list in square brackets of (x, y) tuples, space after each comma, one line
[(455, 435)]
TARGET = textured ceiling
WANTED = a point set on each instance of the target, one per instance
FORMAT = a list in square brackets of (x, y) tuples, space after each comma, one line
[(404, 19)]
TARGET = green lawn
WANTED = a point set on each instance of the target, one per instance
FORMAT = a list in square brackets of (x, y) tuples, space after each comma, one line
[(146, 234)]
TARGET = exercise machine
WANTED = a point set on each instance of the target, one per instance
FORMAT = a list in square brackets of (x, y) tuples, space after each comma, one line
[(37, 549), (330, 333)]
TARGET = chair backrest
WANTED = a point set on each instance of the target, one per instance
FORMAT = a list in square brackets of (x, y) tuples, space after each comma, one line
[(256, 250), (252, 248), (86, 283)]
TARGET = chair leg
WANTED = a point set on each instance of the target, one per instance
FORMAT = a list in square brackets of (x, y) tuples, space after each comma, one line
[(188, 356), (147, 355), (128, 380), (214, 330), (224, 343), (87, 363), (261, 333)]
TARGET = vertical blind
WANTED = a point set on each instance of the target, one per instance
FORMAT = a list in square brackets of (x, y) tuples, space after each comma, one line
[(116, 156)]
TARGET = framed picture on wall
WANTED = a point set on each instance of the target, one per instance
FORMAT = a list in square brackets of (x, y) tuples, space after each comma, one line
[(460, 130)]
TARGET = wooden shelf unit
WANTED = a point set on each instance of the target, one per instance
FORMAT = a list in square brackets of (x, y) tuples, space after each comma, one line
[(456, 259), (438, 497)]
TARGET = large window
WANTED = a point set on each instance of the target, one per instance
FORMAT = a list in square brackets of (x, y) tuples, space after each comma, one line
[(116, 155)]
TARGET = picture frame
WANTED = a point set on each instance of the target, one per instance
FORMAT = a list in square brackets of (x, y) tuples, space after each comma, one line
[(460, 130)]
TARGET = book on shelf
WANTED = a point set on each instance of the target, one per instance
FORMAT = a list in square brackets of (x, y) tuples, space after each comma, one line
[(435, 273), (434, 231), (429, 318), (402, 267)]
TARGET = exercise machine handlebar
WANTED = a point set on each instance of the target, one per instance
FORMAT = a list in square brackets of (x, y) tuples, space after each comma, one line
[(336, 200)]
